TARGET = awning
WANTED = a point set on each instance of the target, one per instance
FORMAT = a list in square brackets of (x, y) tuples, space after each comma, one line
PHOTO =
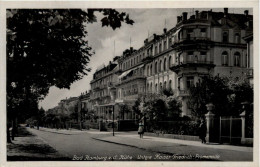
[(124, 74), (177, 32)]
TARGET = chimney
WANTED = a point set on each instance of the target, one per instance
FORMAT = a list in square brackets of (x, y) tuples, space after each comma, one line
[(178, 19), (225, 12), (246, 12), (184, 16), (197, 14), (165, 30)]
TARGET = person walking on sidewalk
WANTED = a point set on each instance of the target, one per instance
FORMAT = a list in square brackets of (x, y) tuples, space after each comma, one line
[(203, 130), (141, 129)]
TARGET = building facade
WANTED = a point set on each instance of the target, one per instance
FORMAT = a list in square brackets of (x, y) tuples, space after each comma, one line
[(206, 43)]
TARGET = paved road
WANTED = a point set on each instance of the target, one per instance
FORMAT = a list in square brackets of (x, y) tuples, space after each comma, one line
[(81, 146)]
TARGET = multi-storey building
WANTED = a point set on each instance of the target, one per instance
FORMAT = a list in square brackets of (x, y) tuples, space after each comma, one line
[(209, 43), (206, 43), (103, 94)]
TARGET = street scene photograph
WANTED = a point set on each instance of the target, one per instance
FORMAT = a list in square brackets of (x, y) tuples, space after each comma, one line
[(130, 84)]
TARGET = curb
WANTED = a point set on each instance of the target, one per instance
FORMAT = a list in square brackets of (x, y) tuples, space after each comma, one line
[(168, 153)]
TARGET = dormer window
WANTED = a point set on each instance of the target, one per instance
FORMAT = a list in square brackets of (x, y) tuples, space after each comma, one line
[(237, 38), (225, 37)]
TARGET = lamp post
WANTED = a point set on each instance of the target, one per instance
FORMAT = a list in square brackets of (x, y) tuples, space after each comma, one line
[(113, 112)]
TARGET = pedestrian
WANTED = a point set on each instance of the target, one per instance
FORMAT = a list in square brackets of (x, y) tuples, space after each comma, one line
[(203, 130), (141, 129)]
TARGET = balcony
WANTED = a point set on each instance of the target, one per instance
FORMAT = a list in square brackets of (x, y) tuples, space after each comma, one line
[(133, 77), (188, 64), (192, 43)]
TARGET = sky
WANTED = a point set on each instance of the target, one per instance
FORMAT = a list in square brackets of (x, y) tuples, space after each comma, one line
[(102, 39)]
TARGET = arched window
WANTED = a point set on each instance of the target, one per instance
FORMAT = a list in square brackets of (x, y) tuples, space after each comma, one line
[(151, 87), (225, 37), (224, 58), (131, 62), (161, 87), (134, 61), (147, 87), (170, 84), (165, 45), (151, 69), (237, 59), (160, 66), (164, 64), (124, 66), (160, 48), (237, 38), (164, 85), (156, 88), (155, 68), (170, 63), (137, 60), (156, 50)]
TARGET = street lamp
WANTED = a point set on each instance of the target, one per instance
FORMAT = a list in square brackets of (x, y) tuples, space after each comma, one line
[(113, 112)]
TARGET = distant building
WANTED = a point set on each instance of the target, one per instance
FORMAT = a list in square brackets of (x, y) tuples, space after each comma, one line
[(206, 43)]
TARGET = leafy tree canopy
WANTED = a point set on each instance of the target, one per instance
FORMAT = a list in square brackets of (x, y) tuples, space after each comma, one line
[(48, 47)]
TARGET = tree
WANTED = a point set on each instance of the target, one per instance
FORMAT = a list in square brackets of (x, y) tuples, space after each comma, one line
[(173, 108), (210, 90), (49, 47)]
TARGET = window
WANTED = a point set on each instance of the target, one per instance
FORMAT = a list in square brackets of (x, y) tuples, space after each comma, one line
[(170, 59), (190, 57), (203, 32), (131, 62), (189, 33), (170, 84), (164, 85), (140, 58), (164, 45), (190, 82), (203, 56), (164, 64), (137, 61), (160, 48), (225, 37), (147, 70), (156, 50), (151, 87), (170, 42), (237, 38), (151, 69), (156, 88), (237, 59), (134, 61), (224, 58), (160, 66), (155, 68), (148, 87), (161, 87)]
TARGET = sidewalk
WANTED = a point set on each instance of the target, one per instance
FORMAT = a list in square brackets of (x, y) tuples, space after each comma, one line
[(183, 147), (28, 147)]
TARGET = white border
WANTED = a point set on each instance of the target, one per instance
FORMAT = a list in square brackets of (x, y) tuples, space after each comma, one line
[(126, 4)]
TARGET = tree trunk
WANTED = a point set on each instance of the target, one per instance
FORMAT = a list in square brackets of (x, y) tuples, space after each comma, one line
[(8, 134), (13, 129)]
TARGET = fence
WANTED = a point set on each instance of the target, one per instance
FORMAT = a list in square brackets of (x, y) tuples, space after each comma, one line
[(230, 130)]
